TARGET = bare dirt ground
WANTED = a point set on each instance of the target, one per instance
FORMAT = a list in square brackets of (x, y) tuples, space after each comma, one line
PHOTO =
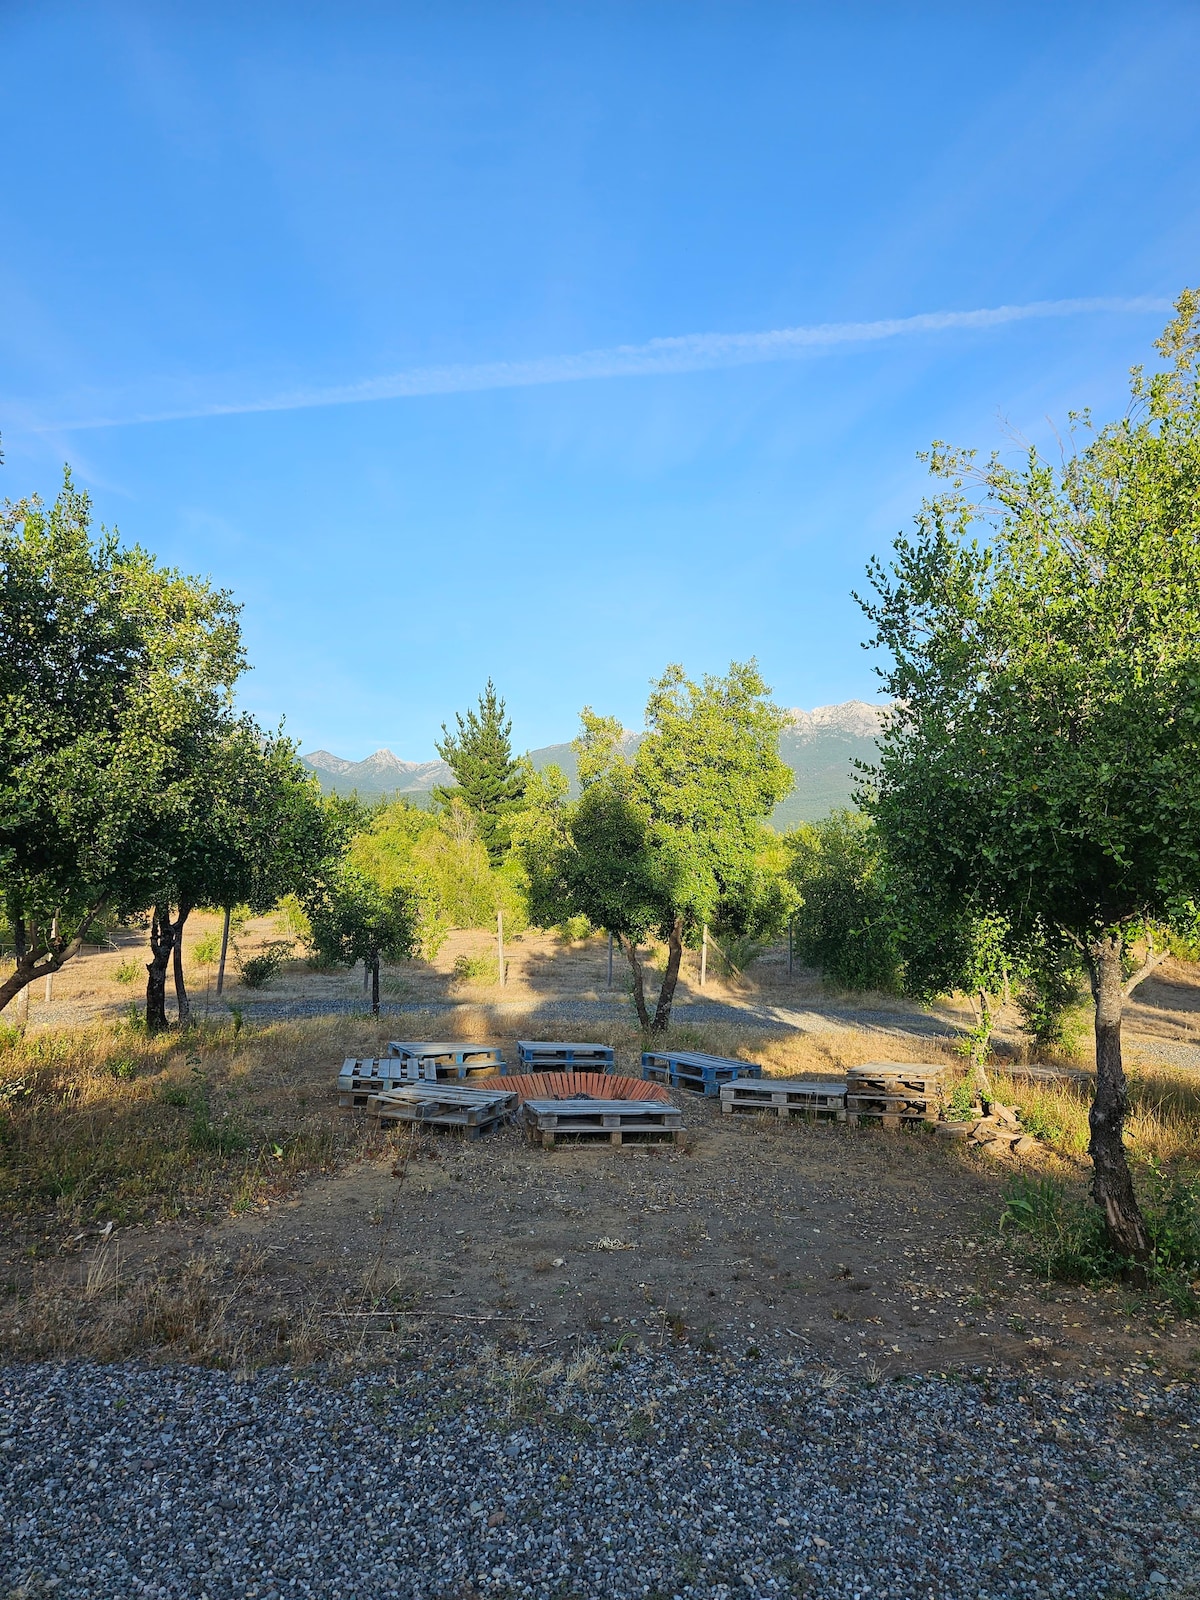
[(864, 1249), (877, 1251)]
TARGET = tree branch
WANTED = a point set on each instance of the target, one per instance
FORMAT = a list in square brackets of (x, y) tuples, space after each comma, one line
[(1153, 960)]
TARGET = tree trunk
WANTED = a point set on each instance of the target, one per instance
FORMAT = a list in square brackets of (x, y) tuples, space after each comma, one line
[(1112, 1184), (162, 943), (639, 988), (375, 984), (224, 950), (980, 1045), (666, 995), (183, 1005)]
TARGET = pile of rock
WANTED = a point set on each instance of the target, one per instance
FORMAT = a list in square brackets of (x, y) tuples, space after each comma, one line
[(999, 1132)]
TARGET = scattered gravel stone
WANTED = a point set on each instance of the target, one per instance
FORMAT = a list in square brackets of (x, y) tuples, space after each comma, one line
[(654, 1475)]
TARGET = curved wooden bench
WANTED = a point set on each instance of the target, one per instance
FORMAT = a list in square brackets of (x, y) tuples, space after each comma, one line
[(567, 1085)]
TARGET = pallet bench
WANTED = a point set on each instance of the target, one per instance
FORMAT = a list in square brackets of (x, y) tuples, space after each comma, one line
[(785, 1097), (893, 1093), (553, 1055), (359, 1080), (692, 1069), (443, 1105), (604, 1121), (426, 1061)]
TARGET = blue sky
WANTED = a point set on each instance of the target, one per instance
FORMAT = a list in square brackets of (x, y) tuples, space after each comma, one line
[(348, 307)]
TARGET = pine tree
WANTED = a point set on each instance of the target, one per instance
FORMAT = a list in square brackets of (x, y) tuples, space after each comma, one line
[(488, 780)]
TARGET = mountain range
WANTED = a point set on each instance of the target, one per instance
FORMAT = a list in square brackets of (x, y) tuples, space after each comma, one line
[(820, 746)]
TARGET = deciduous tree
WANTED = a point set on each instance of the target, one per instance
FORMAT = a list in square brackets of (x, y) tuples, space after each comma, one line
[(1043, 760), (672, 839)]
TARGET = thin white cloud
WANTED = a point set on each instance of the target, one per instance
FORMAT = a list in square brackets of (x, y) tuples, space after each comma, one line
[(694, 352)]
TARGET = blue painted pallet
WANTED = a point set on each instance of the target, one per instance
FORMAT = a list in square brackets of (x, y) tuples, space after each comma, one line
[(427, 1061), (556, 1055), (692, 1069)]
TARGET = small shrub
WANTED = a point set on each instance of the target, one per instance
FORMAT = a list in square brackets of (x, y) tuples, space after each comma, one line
[(574, 929), (258, 970), (207, 951), (962, 1102), (174, 1095), (1041, 1123), (1064, 1233), (10, 1035), (470, 969), (128, 972), (123, 1068)]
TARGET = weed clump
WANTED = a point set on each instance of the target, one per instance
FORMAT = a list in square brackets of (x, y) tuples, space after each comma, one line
[(1064, 1237)]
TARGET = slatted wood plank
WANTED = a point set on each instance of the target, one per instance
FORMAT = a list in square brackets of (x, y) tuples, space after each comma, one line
[(564, 1085), (785, 1097)]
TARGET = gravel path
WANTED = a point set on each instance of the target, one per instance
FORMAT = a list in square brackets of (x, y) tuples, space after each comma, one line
[(651, 1477)]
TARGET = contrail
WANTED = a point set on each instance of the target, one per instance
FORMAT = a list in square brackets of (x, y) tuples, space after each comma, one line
[(693, 352)]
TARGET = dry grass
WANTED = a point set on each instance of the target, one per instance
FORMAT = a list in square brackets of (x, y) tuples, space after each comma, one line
[(1164, 1112), (103, 1124)]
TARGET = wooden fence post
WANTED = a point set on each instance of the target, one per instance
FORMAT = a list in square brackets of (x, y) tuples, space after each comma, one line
[(500, 945), (704, 957), (224, 950), (610, 944)]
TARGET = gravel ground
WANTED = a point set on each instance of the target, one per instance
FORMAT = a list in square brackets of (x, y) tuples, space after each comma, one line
[(642, 1476)]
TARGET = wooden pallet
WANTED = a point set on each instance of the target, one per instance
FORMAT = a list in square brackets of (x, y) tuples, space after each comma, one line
[(606, 1121), (692, 1069), (786, 1097), (578, 1085), (553, 1055), (359, 1080), (431, 1061), (893, 1093), (447, 1106)]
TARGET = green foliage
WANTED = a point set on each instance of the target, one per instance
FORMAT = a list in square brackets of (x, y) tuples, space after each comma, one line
[(109, 665), (1040, 769), (673, 839), (122, 1067), (487, 779), (1051, 987), (677, 832), (540, 841), (844, 925), (961, 1102), (1063, 1234), (207, 951), (128, 971), (440, 864), (256, 971), (471, 969), (355, 919), (1041, 758), (1066, 1239), (293, 920)]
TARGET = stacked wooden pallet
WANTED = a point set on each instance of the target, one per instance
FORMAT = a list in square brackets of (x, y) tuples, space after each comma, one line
[(429, 1061), (692, 1069), (554, 1055), (579, 1085), (605, 1121), (359, 1080), (444, 1105), (784, 1097), (893, 1093)]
